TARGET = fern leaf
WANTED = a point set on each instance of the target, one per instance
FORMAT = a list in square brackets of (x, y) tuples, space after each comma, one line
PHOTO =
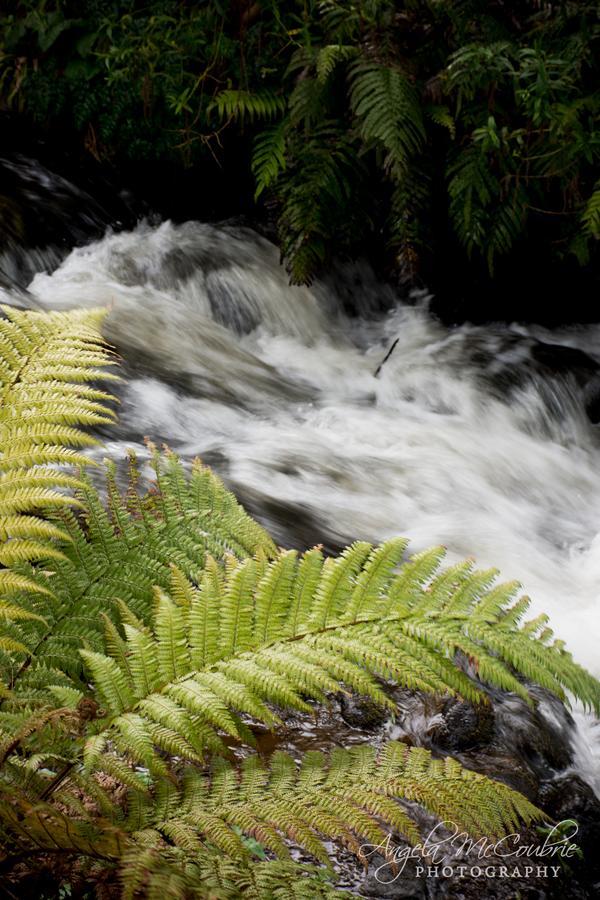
[(591, 214), (360, 621), (244, 105), (268, 157), (386, 107), (44, 360), (330, 56)]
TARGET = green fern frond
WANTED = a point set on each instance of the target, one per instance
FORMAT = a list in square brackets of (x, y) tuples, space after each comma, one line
[(308, 103), (442, 116), (330, 56), (290, 629), (591, 214), (351, 797), (344, 797), (107, 559), (316, 197), (268, 158), (45, 360), (247, 106), (472, 190), (388, 113)]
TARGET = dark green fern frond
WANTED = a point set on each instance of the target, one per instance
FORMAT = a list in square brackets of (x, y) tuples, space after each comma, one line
[(268, 158), (484, 218), (117, 557), (591, 214), (308, 104), (472, 190), (247, 106), (442, 116), (317, 196), (330, 56), (388, 113), (410, 196)]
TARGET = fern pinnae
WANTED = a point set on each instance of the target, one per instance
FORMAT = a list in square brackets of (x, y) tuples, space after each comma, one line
[(198, 699), (239, 104), (308, 577), (116, 646), (494, 605), (335, 585), (456, 596), (311, 679), (238, 608), (111, 681), (330, 56), (374, 578), (170, 624), (416, 572), (142, 661), (204, 619), (181, 589), (269, 157), (272, 595)]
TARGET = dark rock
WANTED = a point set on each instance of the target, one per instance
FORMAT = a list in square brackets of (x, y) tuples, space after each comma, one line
[(540, 737), (591, 399), (380, 881), (362, 713), (465, 726), (569, 797), (560, 359)]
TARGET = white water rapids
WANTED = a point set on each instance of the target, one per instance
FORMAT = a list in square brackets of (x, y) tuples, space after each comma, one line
[(275, 387)]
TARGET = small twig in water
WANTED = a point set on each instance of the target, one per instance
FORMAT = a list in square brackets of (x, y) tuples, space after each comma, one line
[(385, 358)]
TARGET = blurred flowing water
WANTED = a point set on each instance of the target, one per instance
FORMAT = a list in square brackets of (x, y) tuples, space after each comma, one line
[(469, 437)]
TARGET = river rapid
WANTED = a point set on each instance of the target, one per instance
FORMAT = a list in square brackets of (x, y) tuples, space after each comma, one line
[(472, 437)]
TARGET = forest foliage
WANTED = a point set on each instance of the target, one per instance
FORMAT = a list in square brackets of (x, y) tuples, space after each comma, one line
[(400, 123)]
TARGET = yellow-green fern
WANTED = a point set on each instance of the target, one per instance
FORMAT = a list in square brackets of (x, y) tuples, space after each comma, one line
[(46, 361)]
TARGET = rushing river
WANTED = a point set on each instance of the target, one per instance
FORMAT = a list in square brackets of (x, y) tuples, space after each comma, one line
[(462, 438)]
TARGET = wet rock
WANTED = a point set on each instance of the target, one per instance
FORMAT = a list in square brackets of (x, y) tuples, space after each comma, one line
[(505, 738), (539, 737), (362, 713), (380, 881), (569, 797), (560, 359), (465, 726), (591, 399)]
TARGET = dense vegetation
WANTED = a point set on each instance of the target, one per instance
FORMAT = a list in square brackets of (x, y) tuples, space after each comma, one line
[(411, 125), (145, 638)]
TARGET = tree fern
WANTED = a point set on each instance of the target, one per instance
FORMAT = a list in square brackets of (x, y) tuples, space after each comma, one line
[(152, 631)]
